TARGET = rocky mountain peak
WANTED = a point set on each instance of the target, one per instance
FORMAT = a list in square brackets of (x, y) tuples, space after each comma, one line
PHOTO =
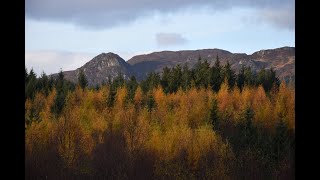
[(106, 60), (101, 68)]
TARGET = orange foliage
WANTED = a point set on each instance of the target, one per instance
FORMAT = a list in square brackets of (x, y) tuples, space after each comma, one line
[(285, 105), (262, 107), (179, 126)]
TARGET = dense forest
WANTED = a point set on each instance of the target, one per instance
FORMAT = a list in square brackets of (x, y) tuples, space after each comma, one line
[(200, 123)]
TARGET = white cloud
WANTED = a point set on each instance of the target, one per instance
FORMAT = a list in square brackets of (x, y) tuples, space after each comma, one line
[(166, 39), (109, 13), (283, 17)]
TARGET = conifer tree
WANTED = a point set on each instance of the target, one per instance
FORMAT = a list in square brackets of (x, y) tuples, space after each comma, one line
[(31, 85), (281, 139), (165, 79), (186, 78), (43, 84), (214, 115), (61, 95), (150, 101), (82, 80), (229, 74), (247, 129), (241, 78), (216, 77), (131, 85)]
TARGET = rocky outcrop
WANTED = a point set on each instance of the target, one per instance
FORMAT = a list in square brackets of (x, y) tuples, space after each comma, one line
[(100, 68)]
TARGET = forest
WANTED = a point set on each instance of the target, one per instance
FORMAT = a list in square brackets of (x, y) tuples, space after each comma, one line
[(200, 123)]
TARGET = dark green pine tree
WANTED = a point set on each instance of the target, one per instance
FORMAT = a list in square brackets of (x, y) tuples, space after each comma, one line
[(176, 78), (216, 77), (248, 133), (272, 80), (230, 75), (249, 76), (111, 96), (82, 80), (186, 78), (43, 84), (144, 86), (131, 85), (118, 81), (60, 80), (241, 78), (268, 79), (165, 79), (202, 74), (59, 101), (150, 101), (196, 72), (214, 115), (114, 85), (281, 139), (152, 81), (31, 85), (261, 76), (50, 83), (205, 70), (26, 75)]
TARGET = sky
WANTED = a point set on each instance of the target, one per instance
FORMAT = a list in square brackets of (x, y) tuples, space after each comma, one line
[(62, 34)]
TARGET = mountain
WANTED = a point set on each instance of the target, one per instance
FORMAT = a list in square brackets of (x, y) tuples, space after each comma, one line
[(100, 68), (281, 59), (105, 65)]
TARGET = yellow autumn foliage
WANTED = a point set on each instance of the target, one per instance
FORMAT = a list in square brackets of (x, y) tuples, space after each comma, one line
[(178, 128)]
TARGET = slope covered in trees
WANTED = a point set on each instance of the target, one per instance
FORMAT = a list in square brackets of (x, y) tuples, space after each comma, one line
[(202, 123)]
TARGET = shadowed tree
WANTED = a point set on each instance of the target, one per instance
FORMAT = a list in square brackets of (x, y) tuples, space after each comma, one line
[(61, 95), (131, 86), (241, 78), (31, 85), (214, 115), (186, 78), (229, 74), (82, 80), (281, 139), (216, 77), (165, 79)]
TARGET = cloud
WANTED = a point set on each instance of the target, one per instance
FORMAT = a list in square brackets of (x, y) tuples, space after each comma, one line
[(167, 39), (282, 18), (109, 13), (51, 61)]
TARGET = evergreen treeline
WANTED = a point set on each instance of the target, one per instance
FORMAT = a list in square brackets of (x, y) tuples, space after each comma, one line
[(201, 76), (204, 76), (201, 123)]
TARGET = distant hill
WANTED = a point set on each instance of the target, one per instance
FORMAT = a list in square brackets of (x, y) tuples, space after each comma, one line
[(107, 65), (281, 59)]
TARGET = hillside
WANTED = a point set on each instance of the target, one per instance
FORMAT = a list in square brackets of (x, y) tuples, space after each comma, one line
[(106, 65)]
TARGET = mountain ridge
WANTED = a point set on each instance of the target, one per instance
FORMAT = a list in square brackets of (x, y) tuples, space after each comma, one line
[(108, 65)]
